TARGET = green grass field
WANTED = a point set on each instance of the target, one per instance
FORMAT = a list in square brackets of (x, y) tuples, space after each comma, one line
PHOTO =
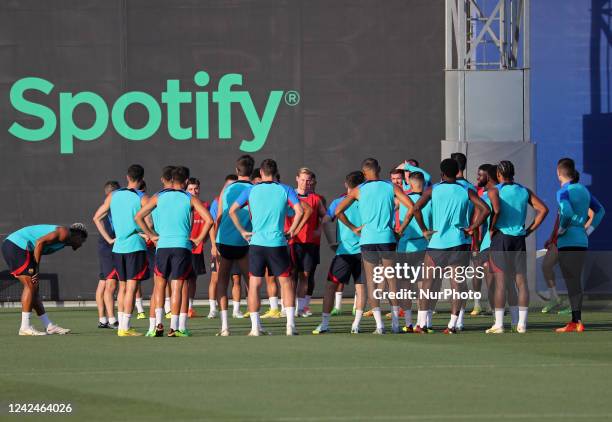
[(338, 377)]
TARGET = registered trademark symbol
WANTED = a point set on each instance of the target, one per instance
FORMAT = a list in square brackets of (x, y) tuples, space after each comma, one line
[(292, 98)]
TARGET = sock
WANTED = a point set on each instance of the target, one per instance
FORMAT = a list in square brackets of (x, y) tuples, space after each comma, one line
[(301, 302), (127, 318), (44, 318), (213, 304), (422, 319), (499, 317), (394, 316), (357, 320), (325, 321), (453, 321), (307, 300), (159, 314), (112, 320), (103, 320), (460, 317), (224, 323), (174, 322), (354, 301), (408, 317), (151, 323), (514, 314), (25, 320), (290, 317), (429, 315), (338, 301), (553, 293), (236, 307), (282, 306), (182, 322), (167, 308), (120, 316), (378, 317), (576, 316), (522, 315), (190, 303), (476, 303), (274, 303), (254, 320), (139, 305)]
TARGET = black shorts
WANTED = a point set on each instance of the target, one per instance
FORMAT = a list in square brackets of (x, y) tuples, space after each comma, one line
[(232, 252), (275, 259), (455, 256), (305, 256), (234, 271), (131, 266), (413, 259), (19, 261), (107, 266), (508, 254), (151, 260), (375, 252), (343, 267), (173, 263), (482, 258), (198, 267)]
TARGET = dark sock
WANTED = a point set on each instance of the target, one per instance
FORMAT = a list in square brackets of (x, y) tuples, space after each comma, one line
[(576, 316)]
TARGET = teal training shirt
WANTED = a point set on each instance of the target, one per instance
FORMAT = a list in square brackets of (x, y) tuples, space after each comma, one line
[(377, 206), (413, 240), (227, 234), (26, 238), (173, 219), (268, 203), (486, 238), (513, 201), (348, 242), (449, 206), (125, 204), (574, 201)]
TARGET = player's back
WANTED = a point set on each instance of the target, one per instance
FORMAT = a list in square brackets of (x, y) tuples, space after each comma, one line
[(348, 241), (486, 237), (267, 202), (173, 219), (412, 240), (513, 200), (125, 204), (26, 238), (449, 209), (579, 198), (226, 232), (377, 206)]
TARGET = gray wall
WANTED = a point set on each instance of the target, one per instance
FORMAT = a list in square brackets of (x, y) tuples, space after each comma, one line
[(370, 75)]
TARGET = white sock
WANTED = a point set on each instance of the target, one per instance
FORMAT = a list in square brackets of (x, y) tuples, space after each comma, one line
[(112, 320), (476, 303), (254, 321), (428, 319), (290, 317), (282, 306), (460, 317), (301, 303), (338, 301), (522, 318), (167, 308), (127, 318), (151, 323), (25, 320), (274, 303), (103, 320), (408, 317), (139, 305), (235, 307), (44, 318), (453, 321), (553, 293), (422, 319), (224, 321), (325, 321), (395, 316), (357, 320), (213, 304), (174, 320), (307, 300), (120, 317), (499, 317), (378, 318), (514, 314), (354, 301), (159, 314), (182, 322), (190, 303)]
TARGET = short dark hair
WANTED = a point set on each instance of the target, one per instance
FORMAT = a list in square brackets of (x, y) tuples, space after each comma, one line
[(449, 167), (244, 165), (567, 167), (142, 186), (506, 169), (413, 162), (79, 228), (193, 181), (112, 185), (354, 179), (484, 167), (180, 174), (416, 176), (492, 172), (255, 173), (269, 167), (397, 171), (167, 173), (231, 177), (135, 172), (461, 160), (370, 164)]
